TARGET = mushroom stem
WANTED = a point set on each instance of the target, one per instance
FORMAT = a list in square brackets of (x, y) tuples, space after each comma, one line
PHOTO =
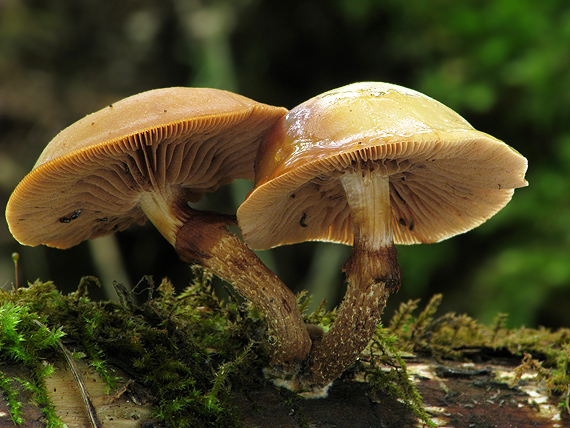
[(372, 273), (158, 208), (223, 253), (203, 238)]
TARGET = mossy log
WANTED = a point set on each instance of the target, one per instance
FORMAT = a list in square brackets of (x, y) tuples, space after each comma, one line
[(189, 360)]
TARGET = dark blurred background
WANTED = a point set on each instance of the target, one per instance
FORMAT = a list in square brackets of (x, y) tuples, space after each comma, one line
[(502, 64)]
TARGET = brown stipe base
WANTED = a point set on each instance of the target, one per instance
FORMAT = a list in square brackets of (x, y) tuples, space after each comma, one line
[(371, 277), (205, 240)]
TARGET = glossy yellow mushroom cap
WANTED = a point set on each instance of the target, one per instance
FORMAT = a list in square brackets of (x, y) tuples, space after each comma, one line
[(445, 177)]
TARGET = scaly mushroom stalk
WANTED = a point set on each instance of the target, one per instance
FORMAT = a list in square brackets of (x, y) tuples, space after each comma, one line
[(204, 239), (372, 273)]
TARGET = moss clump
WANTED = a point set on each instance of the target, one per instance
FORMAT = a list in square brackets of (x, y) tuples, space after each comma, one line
[(24, 342), (459, 337), (184, 347)]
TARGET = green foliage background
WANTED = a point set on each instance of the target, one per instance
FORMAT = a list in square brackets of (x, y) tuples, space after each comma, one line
[(503, 64)]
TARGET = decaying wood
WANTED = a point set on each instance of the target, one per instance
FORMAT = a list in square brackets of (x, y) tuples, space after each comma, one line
[(456, 395)]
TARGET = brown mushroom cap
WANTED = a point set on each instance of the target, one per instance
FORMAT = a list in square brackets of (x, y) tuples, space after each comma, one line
[(88, 180), (445, 177)]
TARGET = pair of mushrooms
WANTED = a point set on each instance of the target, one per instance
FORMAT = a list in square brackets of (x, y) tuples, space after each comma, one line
[(369, 165)]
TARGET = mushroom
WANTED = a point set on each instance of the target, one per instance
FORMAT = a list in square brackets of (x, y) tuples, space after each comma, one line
[(145, 157), (372, 164)]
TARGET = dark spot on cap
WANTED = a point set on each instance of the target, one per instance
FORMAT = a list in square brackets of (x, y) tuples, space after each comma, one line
[(72, 216)]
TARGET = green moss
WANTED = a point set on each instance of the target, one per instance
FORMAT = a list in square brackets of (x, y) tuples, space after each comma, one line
[(11, 394), (457, 336), (26, 343), (414, 332), (190, 348), (395, 381), (184, 347)]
